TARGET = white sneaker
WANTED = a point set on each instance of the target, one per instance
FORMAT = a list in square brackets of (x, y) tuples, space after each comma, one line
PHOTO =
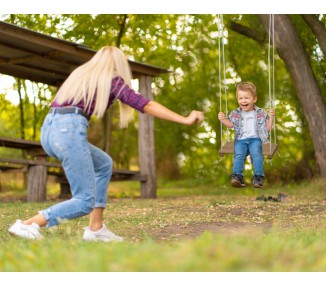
[(101, 235), (25, 231)]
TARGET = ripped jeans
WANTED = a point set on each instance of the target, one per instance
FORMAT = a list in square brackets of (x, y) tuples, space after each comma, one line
[(87, 168)]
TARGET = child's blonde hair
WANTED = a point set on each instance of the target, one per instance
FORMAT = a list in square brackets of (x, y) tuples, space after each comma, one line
[(94, 79), (246, 86)]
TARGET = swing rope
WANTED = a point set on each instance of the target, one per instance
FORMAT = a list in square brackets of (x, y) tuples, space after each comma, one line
[(221, 38), (273, 99), (226, 146), (271, 75), (219, 74)]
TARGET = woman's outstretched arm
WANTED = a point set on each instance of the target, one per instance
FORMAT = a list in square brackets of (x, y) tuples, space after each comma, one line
[(158, 110)]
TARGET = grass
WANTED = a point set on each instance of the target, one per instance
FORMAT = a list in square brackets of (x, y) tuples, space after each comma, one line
[(187, 228)]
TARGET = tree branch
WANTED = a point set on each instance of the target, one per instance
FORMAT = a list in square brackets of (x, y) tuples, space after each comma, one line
[(318, 29), (248, 32), (122, 24)]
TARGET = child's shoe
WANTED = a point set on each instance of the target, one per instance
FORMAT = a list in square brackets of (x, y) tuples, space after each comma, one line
[(237, 181), (30, 231), (257, 181), (101, 235)]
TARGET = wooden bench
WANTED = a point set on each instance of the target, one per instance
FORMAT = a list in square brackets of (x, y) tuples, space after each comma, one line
[(38, 167)]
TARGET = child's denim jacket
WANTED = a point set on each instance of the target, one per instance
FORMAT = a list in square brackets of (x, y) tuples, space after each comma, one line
[(261, 119)]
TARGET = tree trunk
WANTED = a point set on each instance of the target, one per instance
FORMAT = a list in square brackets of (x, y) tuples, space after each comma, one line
[(290, 49), (107, 118), (107, 127)]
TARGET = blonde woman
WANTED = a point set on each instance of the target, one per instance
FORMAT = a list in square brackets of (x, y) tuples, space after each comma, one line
[(89, 90)]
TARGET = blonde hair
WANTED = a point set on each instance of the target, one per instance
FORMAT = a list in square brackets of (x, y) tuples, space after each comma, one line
[(246, 86), (94, 78)]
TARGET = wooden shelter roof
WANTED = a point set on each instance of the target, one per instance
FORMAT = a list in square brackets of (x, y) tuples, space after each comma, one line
[(31, 55)]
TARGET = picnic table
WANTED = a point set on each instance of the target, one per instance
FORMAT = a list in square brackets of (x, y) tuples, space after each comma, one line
[(38, 165)]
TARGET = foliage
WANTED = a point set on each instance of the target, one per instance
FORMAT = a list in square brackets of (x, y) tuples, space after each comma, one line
[(188, 46), (188, 228)]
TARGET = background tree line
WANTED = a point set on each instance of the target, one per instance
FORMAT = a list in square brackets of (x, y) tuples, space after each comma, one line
[(188, 45)]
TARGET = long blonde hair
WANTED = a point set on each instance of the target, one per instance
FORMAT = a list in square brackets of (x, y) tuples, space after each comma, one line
[(94, 79)]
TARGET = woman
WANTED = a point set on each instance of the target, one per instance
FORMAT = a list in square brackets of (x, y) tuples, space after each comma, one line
[(89, 90)]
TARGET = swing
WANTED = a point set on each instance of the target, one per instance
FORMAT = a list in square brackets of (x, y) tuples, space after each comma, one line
[(269, 149)]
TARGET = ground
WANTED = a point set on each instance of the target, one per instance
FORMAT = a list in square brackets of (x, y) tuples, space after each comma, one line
[(221, 210), (196, 229)]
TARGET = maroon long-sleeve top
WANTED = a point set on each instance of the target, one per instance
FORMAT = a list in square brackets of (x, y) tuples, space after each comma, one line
[(119, 90)]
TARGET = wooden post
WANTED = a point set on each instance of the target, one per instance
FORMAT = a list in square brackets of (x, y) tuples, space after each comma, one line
[(146, 143), (37, 177), (36, 183)]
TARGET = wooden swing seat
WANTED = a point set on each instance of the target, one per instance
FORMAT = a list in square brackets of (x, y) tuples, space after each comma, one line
[(268, 149)]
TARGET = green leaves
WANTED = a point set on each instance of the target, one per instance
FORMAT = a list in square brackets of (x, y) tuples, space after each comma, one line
[(188, 45)]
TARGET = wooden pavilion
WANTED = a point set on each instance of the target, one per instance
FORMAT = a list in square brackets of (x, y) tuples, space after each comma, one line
[(37, 57)]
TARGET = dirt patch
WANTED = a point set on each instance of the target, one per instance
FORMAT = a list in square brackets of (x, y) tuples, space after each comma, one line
[(196, 229)]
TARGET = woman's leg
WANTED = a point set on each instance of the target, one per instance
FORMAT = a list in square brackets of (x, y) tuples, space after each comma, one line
[(38, 219), (96, 219), (67, 140), (97, 231), (103, 171), (103, 166)]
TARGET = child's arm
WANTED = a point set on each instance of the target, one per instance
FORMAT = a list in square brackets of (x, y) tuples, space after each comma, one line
[(269, 123), (224, 120)]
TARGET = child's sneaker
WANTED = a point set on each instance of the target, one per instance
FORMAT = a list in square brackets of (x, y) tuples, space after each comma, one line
[(101, 235), (30, 231), (237, 181), (257, 181)]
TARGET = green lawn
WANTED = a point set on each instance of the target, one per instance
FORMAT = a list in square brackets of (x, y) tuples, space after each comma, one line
[(188, 227)]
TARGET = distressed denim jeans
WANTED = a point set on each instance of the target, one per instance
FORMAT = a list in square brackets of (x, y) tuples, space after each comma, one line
[(87, 168), (244, 147)]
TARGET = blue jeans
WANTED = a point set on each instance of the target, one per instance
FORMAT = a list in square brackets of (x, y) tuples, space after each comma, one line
[(87, 168), (244, 147)]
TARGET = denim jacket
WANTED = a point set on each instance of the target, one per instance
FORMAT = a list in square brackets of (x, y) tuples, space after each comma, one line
[(261, 119)]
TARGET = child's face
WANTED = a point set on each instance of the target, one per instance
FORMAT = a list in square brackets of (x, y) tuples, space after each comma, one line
[(246, 100)]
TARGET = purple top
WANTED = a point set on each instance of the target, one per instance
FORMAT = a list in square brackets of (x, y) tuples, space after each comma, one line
[(127, 96)]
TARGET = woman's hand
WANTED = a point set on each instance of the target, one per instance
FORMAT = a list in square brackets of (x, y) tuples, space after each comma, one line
[(159, 111), (194, 116)]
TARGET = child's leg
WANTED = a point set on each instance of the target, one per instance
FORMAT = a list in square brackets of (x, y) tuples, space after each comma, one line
[(256, 151), (240, 154)]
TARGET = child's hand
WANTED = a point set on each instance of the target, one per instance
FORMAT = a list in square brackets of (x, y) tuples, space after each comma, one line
[(221, 116), (272, 112)]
